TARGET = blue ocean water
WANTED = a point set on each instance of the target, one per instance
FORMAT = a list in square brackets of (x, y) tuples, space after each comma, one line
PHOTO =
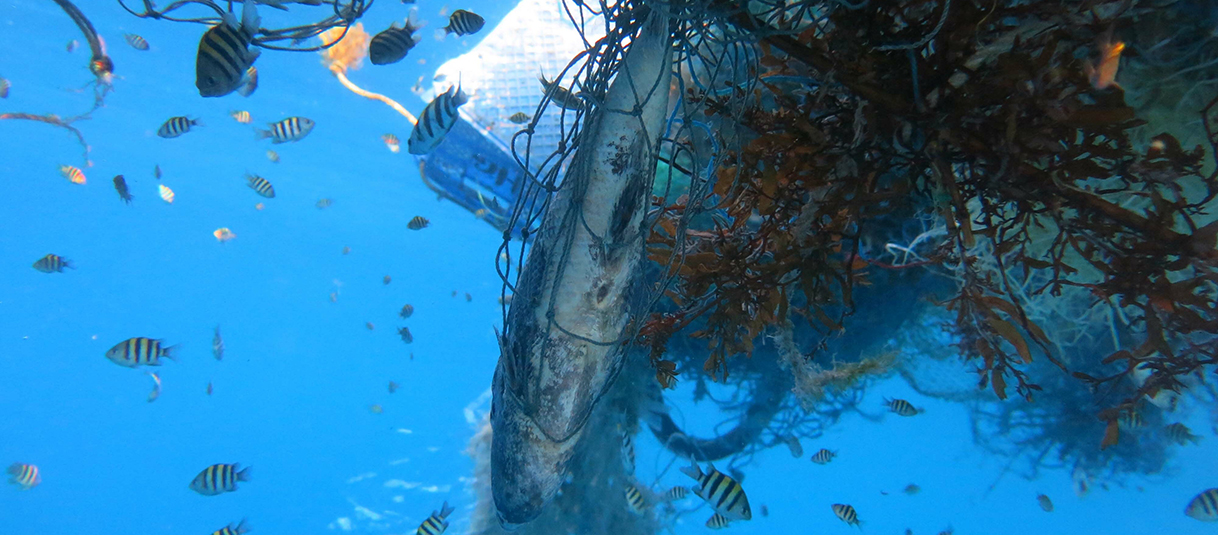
[(292, 396)]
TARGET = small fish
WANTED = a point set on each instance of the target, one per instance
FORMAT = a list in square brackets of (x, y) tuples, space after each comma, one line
[(561, 95), (156, 387), (1204, 507), (24, 475), (370, 326), (333, 297), (468, 297), (73, 174), (765, 511), (392, 142), (217, 344), (392, 45), (52, 263), (677, 492), (4, 86), (634, 498), (846, 513), (404, 332), (218, 479), (223, 234), (912, 489), (1080, 481), (225, 55), (290, 129), (387, 279), (242, 117), (1180, 434), (272, 156), (139, 351), (1044, 502), (719, 490), (437, 119), (902, 407), (177, 126), (209, 388), (166, 193), (324, 203), (120, 185), (259, 206), (519, 117), (418, 223), (72, 46), (463, 22), (1103, 76), (628, 453), (156, 171), (251, 82), (136, 41), (407, 310), (1130, 420), (823, 456), (480, 213), (376, 409), (240, 529), (717, 521), (437, 522), (346, 250), (260, 185), (797, 449), (393, 387)]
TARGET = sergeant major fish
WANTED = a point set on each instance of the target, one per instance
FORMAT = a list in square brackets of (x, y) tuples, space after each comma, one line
[(52, 263), (139, 351), (177, 126), (723, 493), (846, 513), (290, 129), (261, 185), (635, 500), (240, 529), (218, 479), (436, 523), (24, 475), (902, 407), (135, 41), (225, 54), (463, 22), (391, 45), (436, 120)]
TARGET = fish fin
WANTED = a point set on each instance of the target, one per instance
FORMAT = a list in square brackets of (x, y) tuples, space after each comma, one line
[(244, 474), (412, 21), (693, 470), (243, 526), (68, 264), (170, 353), (446, 510), (249, 18), (262, 134), (197, 122), (441, 33)]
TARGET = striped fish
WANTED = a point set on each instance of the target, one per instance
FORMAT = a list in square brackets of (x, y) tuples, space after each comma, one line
[(391, 45), (392, 142), (177, 126), (261, 185), (717, 521), (136, 41), (418, 223), (1130, 420), (218, 479), (1204, 507), (272, 156), (166, 193), (519, 117), (676, 493), (404, 332), (120, 185), (635, 500), (73, 174), (436, 523), (1181, 434), (224, 53), (52, 264), (901, 407), (290, 129), (217, 344), (463, 22), (242, 117), (4, 86), (823, 456), (24, 475), (846, 514), (138, 351), (628, 453), (407, 310), (251, 82), (239, 529), (437, 119), (722, 492)]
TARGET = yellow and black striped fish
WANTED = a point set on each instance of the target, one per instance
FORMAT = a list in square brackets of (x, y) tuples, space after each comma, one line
[(120, 185), (242, 117), (24, 475), (463, 22), (846, 514), (224, 53), (53, 264), (418, 223), (436, 523), (261, 185), (136, 41), (391, 45), (717, 521), (902, 407), (138, 351), (73, 174), (722, 492), (404, 332), (628, 453), (1131, 419), (676, 493), (290, 129), (519, 117), (177, 126), (166, 193), (407, 310), (1204, 506), (823, 456), (561, 95), (437, 119), (251, 82), (239, 529), (218, 479), (634, 498)]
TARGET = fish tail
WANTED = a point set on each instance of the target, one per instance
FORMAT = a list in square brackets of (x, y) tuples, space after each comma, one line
[(196, 122), (244, 474), (243, 526), (693, 470), (262, 134), (446, 510), (171, 352), (68, 264)]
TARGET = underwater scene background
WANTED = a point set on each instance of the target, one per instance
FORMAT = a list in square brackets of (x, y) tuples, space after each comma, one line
[(308, 299)]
